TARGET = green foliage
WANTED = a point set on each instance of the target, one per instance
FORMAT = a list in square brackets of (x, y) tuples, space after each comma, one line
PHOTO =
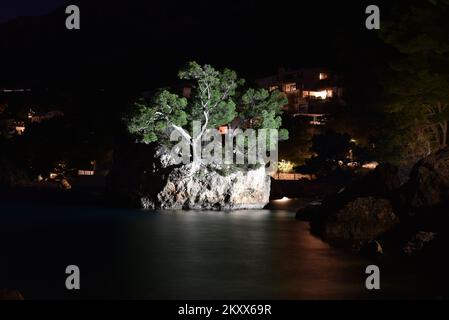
[(215, 99), (212, 93), (150, 120), (416, 91), (296, 148), (265, 109)]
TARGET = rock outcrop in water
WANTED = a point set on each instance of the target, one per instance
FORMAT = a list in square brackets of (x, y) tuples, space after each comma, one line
[(362, 211), (148, 178), (205, 188), (377, 208), (361, 219), (428, 185)]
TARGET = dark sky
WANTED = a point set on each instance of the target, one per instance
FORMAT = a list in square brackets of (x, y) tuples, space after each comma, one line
[(10, 9), (143, 43)]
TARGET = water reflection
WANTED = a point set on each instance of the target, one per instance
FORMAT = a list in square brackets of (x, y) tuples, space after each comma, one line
[(243, 254), (184, 255)]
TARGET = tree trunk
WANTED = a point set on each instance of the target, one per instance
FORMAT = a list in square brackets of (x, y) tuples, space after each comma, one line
[(443, 127), (196, 150)]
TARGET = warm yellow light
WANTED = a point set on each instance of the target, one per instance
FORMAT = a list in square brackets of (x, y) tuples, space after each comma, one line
[(371, 165), (86, 172), (318, 94), (323, 94), (20, 130), (323, 76), (285, 166), (283, 199), (290, 87)]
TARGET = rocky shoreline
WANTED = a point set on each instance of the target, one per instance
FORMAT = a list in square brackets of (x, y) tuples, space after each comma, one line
[(378, 215), (6, 294), (147, 177)]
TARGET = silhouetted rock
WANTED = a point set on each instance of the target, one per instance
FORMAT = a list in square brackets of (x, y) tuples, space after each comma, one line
[(428, 185), (309, 212), (381, 182), (418, 242), (379, 216), (131, 173), (371, 249), (6, 294), (362, 219)]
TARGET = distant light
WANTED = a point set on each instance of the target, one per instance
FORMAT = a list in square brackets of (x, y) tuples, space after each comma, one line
[(371, 165), (290, 87), (15, 90), (323, 94), (20, 130), (285, 166), (283, 199), (353, 164), (86, 172)]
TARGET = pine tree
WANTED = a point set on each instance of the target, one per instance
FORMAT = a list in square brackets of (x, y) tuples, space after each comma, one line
[(217, 98), (417, 91)]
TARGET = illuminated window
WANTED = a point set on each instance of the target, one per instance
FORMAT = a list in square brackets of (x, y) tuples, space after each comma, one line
[(317, 94), (273, 88), (323, 75), (86, 172), (223, 129), (290, 87), (324, 94)]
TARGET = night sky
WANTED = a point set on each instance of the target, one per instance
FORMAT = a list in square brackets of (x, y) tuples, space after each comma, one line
[(10, 9), (143, 44)]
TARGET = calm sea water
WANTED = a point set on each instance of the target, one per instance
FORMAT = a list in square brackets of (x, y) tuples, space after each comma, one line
[(181, 255)]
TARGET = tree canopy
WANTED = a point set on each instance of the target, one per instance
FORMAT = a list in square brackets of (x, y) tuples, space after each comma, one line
[(217, 98), (416, 91)]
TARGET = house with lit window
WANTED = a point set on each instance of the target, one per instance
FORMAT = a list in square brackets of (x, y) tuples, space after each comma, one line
[(310, 91)]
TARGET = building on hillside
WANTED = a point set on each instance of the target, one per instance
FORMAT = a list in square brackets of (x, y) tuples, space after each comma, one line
[(310, 91)]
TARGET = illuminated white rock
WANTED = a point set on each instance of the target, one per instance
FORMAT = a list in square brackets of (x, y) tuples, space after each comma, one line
[(212, 189)]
